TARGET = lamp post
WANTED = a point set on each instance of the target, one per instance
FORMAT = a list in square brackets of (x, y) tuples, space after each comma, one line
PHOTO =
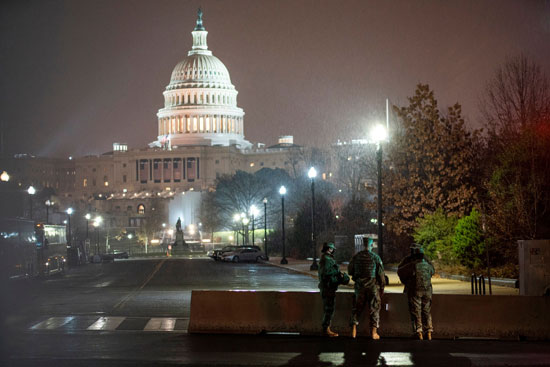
[(48, 203), (97, 222), (31, 190), (282, 192), (253, 214), (245, 221), (312, 173), (87, 216), (379, 134), (69, 212), (236, 219), (265, 229)]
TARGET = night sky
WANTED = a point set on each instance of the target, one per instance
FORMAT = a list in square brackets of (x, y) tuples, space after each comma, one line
[(78, 75)]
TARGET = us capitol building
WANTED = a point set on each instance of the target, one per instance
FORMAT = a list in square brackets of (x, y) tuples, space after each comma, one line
[(200, 137)]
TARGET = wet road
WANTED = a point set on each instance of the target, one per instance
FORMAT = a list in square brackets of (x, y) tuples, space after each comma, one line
[(136, 313)]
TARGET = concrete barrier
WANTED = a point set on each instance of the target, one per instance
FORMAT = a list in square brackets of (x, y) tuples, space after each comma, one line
[(252, 312)]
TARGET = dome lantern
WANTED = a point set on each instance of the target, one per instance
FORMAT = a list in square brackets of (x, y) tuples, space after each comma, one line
[(199, 38)]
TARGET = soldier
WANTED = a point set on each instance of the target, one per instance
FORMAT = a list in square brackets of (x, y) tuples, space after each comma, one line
[(367, 272), (330, 277), (415, 272)]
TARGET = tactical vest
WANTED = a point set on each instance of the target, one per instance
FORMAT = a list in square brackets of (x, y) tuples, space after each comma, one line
[(422, 275), (365, 265)]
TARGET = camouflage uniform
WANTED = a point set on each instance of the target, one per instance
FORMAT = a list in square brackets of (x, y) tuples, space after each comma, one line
[(415, 272), (328, 284), (367, 272)]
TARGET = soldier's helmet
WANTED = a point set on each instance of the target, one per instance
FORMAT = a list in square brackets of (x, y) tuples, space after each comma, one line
[(326, 246), (368, 243), (416, 248)]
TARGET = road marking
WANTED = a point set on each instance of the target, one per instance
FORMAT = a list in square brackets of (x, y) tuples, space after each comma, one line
[(160, 324), (122, 302), (106, 323), (52, 323)]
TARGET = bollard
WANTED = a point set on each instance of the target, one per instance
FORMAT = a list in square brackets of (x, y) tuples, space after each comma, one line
[(472, 280)]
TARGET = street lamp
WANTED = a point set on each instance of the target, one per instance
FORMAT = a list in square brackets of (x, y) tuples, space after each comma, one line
[(97, 223), (245, 221), (253, 214), (236, 219), (31, 190), (378, 135), (48, 203), (312, 173), (265, 229), (69, 212), (88, 217), (282, 192), (4, 177)]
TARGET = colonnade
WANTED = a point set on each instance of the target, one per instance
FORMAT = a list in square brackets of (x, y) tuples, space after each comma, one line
[(217, 98), (189, 124)]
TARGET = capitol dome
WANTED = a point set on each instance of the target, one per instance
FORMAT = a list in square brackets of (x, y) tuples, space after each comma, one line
[(200, 102)]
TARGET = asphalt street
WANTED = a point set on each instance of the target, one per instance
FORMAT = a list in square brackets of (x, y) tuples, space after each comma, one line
[(135, 312)]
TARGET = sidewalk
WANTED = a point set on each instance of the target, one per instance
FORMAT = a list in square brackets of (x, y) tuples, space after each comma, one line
[(440, 285)]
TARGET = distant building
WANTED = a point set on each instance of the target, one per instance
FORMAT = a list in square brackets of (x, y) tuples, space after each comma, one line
[(200, 137)]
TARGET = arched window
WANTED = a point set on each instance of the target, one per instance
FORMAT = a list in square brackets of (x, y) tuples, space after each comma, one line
[(141, 209)]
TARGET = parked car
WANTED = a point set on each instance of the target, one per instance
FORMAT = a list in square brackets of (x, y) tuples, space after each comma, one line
[(243, 254), (216, 254), (118, 254)]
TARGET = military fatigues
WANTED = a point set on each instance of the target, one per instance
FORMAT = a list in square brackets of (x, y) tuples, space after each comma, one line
[(367, 272), (415, 272), (328, 284)]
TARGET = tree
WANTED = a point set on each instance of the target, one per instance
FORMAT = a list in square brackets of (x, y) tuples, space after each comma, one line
[(300, 241), (468, 241), (432, 163), (237, 193), (209, 214), (356, 163), (516, 108), (435, 232)]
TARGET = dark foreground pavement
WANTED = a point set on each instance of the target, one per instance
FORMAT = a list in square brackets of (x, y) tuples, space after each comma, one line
[(168, 349)]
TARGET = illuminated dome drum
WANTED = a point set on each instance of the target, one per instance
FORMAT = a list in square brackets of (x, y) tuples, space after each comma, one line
[(200, 103)]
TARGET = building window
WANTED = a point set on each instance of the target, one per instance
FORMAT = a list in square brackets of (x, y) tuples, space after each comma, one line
[(85, 183), (123, 165), (217, 161), (124, 178), (93, 182), (129, 208), (141, 209)]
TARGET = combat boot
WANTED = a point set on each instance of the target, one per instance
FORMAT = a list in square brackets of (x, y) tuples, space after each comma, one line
[(329, 333), (374, 334), (353, 331), (429, 335), (419, 335)]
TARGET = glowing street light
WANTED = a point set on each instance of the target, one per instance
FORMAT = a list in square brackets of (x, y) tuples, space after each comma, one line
[(87, 216), (31, 190), (282, 192), (69, 211), (4, 177), (312, 173), (245, 222), (379, 134)]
